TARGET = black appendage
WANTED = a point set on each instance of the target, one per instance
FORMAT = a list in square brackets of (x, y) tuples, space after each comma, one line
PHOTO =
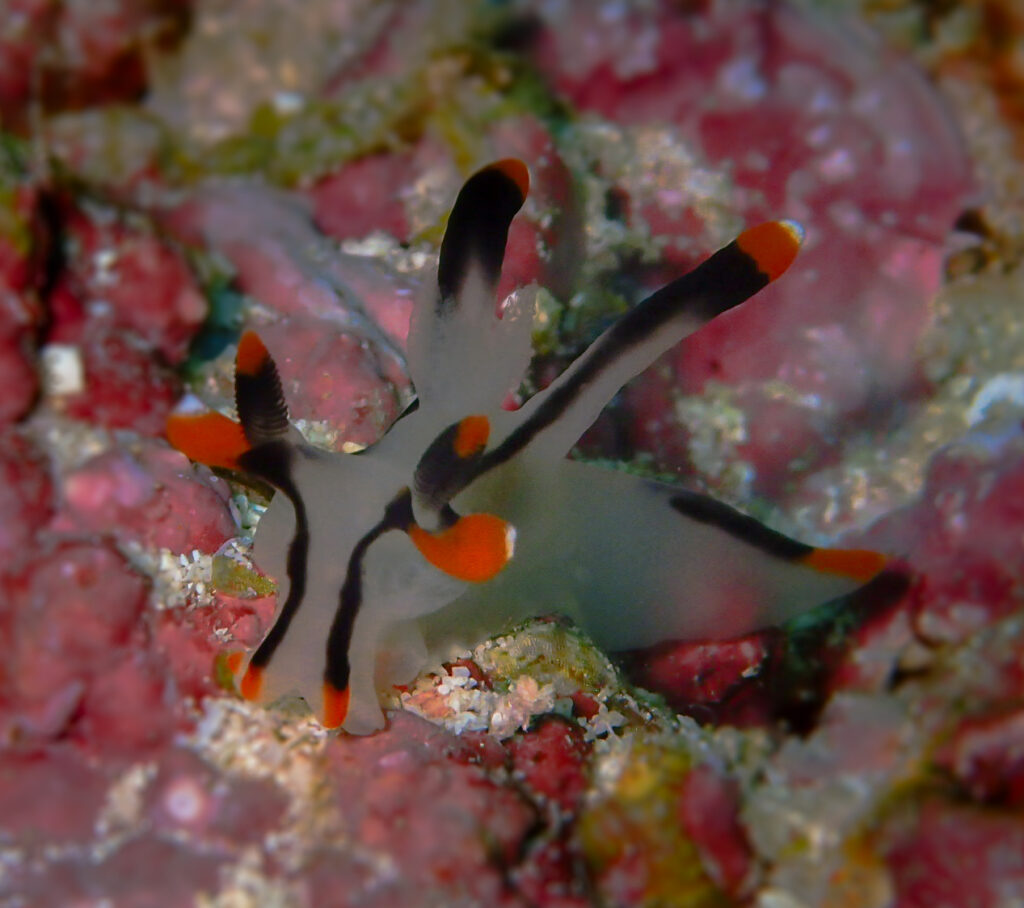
[(260, 403), (726, 279), (477, 229), (441, 473)]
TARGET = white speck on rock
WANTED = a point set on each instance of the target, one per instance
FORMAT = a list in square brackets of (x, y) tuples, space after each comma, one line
[(63, 369), (184, 800), (743, 80)]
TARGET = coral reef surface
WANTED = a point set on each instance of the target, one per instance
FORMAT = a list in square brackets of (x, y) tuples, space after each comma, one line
[(173, 171)]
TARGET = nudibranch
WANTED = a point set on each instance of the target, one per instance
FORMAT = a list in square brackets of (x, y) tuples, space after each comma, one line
[(465, 516)]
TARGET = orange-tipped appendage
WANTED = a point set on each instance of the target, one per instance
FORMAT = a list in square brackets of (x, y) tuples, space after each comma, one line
[(209, 438), (772, 245), (516, 171), (252, 354), (252, 683), (857, 564), (471, 436), (335, 705), (474, 549)]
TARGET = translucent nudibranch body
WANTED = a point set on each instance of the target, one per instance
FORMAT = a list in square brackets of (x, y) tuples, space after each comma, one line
[(465, 517)]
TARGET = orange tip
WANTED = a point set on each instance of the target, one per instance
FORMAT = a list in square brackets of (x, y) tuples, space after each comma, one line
[(335, 705), (857, 564), (772, 245), (252, 683), (471, 436), (474, 549), (209, 437), (516, 171), (234, 661), (252, 354)]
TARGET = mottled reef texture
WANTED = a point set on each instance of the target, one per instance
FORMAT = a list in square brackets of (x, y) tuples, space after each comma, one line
[(171, 171)]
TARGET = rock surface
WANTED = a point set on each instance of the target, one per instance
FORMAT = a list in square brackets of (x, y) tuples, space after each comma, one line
[(297, 180)]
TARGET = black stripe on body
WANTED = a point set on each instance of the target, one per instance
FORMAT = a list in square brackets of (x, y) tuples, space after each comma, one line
[(741, 526), (259, 400), (397, 516), (272, 462), (477, 230), (726, 279)]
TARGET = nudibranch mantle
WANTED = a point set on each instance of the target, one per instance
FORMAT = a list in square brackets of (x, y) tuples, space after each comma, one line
[(465, 517)]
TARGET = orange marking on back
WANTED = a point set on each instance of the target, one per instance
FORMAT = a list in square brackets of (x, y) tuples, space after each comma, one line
[(471, 436), (772, 245), (335, 705), (209, 438), (516, 171), (475, 548), (857, 564), (252, 354), (234, 661), (252, 683)]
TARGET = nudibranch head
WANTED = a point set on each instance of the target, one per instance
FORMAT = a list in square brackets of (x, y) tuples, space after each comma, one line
[(464, 516)]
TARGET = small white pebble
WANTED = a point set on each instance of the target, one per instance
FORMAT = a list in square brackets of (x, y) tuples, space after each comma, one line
[(63, 369)]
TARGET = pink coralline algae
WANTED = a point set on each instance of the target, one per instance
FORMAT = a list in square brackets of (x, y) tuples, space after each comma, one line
[(709, 811), (49, 798), (457, 834), (128, 306), (17, 376), (327, 308), (361, 198), (870, 756), (145, 871), (550, 761), (838, 134), (986, 756), (343, 380), (60, 643), (26, 494), (711, 681), (151, 497), (131, 280), (187, 797), (959, 536), (948, 855), (123, 385), (76, 54)]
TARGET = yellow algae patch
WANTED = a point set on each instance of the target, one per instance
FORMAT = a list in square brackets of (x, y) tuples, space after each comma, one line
[(631, 834), (235, 578)]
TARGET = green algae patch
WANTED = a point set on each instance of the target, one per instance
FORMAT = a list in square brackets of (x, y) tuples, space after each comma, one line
[(549, 652), (222, 674), (236, 579)]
